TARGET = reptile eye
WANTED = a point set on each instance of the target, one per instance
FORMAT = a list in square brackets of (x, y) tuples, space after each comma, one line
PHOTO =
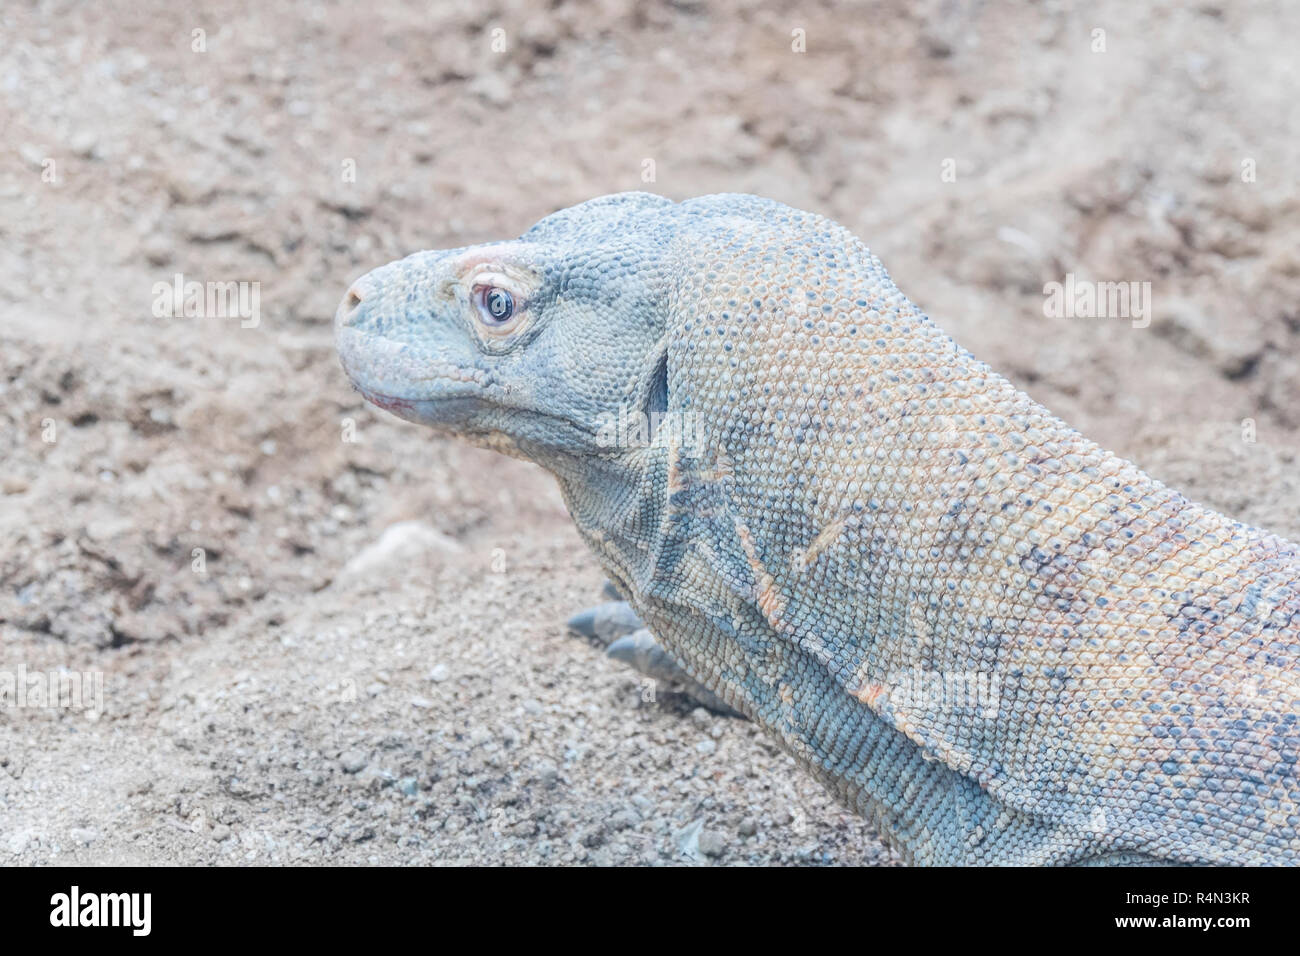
[(497, 305)]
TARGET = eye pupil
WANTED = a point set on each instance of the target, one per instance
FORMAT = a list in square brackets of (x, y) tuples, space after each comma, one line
[(500, 305)]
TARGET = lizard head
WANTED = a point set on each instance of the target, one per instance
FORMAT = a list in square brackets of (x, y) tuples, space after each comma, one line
[(530, 346)]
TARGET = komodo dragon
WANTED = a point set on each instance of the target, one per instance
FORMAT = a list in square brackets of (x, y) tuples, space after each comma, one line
[(1000, 642)]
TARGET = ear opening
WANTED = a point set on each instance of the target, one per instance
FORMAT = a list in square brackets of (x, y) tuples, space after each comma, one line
[(656, 402)]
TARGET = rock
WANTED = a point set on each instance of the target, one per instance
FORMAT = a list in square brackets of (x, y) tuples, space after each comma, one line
[(32, 155), (18, 842), (492, 87), (1194, 330), (221, 833), (83, 835), (84, 144), (372, 779), (712, 843), (748, 827), (643, 803), (352, 761), (404, 543), (548, 775), (408, 786), (687, 840), (624, 819)]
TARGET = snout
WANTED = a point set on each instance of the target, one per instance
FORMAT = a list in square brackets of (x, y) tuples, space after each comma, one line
[(353, 332), (400, 351), (352, 308)]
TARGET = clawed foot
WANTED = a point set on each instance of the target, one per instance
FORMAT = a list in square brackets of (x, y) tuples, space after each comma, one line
[(616, 626)]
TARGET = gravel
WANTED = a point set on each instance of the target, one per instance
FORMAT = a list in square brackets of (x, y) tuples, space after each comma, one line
[(328, 637)]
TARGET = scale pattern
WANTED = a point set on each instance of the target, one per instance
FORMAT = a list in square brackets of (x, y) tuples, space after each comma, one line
[(1000, 641)]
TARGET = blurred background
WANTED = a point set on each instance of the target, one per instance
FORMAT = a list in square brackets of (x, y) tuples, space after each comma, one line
[(327, 636)]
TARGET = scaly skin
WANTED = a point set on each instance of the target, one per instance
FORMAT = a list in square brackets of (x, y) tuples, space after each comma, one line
[(1003, 643)]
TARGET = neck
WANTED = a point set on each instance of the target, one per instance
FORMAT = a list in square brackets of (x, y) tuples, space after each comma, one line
[(618, 503)]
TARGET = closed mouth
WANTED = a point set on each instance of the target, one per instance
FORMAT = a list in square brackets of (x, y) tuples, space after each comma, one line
[(389, 403), (364, 355)]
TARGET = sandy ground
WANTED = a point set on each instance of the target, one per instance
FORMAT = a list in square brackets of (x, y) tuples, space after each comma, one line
[(325, 636)]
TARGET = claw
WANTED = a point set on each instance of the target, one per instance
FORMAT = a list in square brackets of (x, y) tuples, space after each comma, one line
[(606, 622), (640, 651), (627, 640)]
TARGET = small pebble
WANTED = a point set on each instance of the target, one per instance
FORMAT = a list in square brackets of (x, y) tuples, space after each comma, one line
[(712, 843), (353, 761), (83, 835)]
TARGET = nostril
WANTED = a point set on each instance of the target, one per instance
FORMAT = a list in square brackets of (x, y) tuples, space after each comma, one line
[(350, 308)]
